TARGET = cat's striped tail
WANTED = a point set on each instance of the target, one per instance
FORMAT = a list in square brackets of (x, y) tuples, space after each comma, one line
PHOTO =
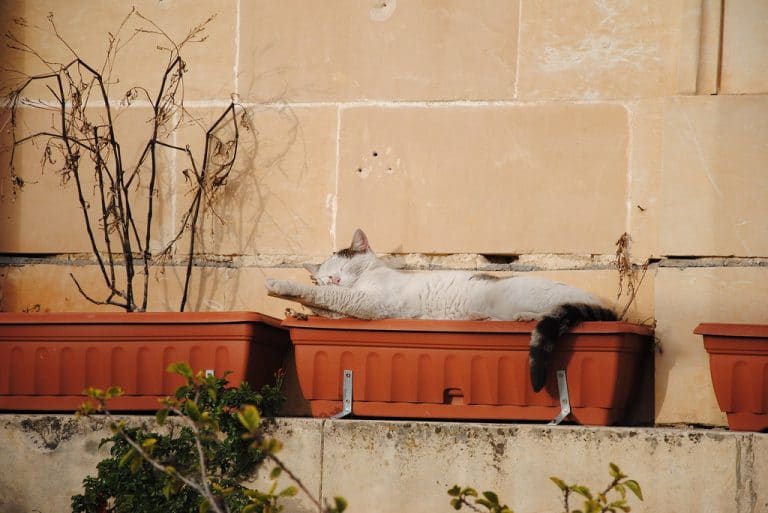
[(553, 326)]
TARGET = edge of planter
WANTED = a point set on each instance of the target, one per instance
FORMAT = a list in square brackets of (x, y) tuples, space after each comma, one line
[(724, 329), (9, 318), (483, 326)]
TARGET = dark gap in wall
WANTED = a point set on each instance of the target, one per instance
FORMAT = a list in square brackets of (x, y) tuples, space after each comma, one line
[(500, 259)]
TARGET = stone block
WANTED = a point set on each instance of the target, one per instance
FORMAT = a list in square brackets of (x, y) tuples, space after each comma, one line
[(302, 455), (643, 210), (745, 45), (423, 460), (279, 197), (547, 178), (598, 50), (213, 287), (51, 453), (714, 190), (85, 27), (393, 466), (235, 289), (45, 215), (299, 51)]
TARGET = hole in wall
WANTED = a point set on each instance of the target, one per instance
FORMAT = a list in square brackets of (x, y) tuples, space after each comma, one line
[(501, 259)]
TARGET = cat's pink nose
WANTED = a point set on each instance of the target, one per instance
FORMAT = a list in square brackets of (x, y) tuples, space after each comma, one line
[(335, 279)]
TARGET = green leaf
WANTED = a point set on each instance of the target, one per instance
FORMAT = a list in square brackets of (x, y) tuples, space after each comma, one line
[(94, 393), (484, 502), (492, 497), (181, 369), (161, 416), (341, 504), (275, 473), (211, 388), (621, 504), (591, 507), (250, 508), (127, 457), (582, 490), (249, 417), (291, 491), (136, 463), (634, 487), (454, 491), (272, 445), (192, 410), (113, 391), (614, 471), (469, 492), (456, 504), (559, 482), (204, 507)]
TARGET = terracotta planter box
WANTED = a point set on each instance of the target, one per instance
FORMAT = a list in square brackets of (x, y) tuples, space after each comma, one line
[(47, 360), (738, 362), (468, 369)]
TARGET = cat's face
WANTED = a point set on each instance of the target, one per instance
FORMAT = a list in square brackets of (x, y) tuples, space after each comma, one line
[(344, 267)]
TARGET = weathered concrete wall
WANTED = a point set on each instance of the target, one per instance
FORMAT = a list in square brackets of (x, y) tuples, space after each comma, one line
[(510, 135), (407, 466)]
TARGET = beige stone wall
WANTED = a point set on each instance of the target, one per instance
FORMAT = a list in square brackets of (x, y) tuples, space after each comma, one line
[(390, 467), (511, 135)]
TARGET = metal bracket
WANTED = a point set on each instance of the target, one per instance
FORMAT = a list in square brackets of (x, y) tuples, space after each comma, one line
[(346, 406), (565, 402)]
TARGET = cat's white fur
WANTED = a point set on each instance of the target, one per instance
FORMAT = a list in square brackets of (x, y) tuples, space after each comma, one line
[(356, 283)]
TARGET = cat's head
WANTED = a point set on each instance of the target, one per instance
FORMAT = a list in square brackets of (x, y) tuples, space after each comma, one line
[(344, 267)]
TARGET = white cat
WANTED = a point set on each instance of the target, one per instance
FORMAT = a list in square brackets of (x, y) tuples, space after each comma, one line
[(354, 282)]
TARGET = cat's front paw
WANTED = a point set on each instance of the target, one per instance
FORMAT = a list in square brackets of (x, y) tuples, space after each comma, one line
[(282, 288)]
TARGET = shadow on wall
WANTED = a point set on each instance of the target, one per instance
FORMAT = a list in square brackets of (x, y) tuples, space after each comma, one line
[(271, 159), (9, 232)]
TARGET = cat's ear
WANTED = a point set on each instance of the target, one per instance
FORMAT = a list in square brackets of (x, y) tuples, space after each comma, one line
[(360, 242), (312, 268)]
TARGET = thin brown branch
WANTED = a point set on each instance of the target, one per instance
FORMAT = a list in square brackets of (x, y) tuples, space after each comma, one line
[(76, 84), (58, 36), (296, 480), (109, 300)]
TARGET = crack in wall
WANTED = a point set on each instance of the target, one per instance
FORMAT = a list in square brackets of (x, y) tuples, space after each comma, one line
[(746, 496), (415, 261)]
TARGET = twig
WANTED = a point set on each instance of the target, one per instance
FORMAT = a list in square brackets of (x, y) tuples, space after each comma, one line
[(296, 480), (76, 83)]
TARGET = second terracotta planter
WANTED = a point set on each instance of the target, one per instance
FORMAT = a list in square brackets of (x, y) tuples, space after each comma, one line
[(468, 369)]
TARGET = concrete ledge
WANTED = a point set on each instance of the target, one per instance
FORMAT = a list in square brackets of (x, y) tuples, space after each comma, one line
[(386, 466)]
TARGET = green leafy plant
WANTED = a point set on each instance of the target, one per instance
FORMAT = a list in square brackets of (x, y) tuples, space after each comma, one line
[(612, 499), (210, 438)]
